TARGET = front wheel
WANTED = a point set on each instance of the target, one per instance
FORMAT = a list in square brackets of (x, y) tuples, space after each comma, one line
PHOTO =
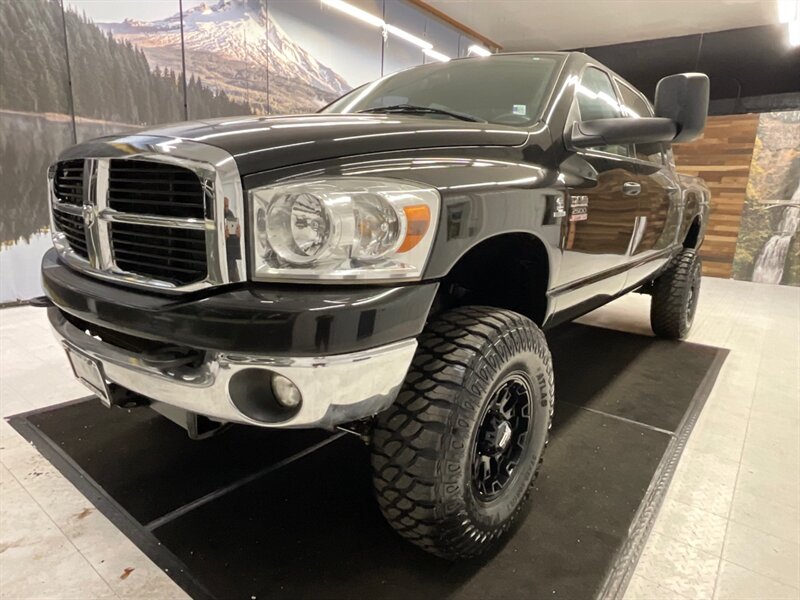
[(455, 457), (675, 295)]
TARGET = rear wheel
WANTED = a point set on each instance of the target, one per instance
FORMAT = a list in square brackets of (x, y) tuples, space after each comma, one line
[(456, 455), (675, 294)]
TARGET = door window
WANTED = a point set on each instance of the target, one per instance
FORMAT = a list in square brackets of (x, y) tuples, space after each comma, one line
[(597, 99), (633, 105)]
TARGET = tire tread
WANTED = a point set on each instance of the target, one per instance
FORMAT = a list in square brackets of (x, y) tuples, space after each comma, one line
[(668, 306)]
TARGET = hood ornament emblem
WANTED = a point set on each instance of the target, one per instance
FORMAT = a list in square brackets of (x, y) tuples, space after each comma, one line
[(88, 215)]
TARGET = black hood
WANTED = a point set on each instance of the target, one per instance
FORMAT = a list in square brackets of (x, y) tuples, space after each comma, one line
[(264, 143)]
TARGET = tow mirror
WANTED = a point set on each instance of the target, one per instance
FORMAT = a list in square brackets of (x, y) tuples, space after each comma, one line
[(684, 99), (681, 109), (624, 130)]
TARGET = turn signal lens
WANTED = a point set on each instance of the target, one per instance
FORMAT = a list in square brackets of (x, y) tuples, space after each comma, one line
[(418, 219)]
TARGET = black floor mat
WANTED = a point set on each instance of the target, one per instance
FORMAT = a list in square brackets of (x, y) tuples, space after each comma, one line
[(149, 465), (311, 528)]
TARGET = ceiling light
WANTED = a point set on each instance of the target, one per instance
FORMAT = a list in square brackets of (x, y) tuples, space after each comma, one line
[(436, 55), (788, 10), (794, 33), (408, 37), (353, 11), (479, 50)]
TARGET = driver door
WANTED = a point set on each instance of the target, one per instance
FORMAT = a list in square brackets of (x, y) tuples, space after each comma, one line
[(603, 186)]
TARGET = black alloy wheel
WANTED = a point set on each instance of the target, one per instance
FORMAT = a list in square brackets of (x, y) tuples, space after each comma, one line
[(502, 437), (694, 293)]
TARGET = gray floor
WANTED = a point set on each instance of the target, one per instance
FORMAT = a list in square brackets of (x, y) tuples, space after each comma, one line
[(729, 527)]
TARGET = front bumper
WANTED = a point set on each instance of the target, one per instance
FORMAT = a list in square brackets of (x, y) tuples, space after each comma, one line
[(334, 389), (346, 349)]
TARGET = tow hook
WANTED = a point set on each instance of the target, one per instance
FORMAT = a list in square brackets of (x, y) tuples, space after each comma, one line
[(171, 357), (361, 429), (198, 427), (41, 302)]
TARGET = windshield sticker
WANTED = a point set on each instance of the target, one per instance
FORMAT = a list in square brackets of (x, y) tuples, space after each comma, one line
[(520, 109)]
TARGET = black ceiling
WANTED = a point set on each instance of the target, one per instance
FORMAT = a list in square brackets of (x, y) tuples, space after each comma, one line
[(753, 61)]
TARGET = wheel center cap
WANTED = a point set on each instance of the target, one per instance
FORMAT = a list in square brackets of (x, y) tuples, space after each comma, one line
[(504, 432)]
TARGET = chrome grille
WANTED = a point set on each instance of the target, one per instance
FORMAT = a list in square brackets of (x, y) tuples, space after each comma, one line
[(167, 253), (156, 217), (68, 182), (143, 187)]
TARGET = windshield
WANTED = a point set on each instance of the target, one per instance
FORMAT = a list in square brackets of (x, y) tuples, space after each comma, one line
[(503, 89)]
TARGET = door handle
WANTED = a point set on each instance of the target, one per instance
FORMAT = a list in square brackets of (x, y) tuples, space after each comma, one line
[(631, 188)]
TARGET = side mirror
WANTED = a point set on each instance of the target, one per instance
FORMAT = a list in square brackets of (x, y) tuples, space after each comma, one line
[(684, 99), (625, 130)]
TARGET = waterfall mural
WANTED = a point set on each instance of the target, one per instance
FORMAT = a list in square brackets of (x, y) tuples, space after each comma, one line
[(772, 260), (768, 246)]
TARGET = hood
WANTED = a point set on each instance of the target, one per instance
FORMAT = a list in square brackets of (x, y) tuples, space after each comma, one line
[(265, 143)]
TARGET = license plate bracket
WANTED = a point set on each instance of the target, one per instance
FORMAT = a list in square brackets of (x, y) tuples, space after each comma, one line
[(89, 371)]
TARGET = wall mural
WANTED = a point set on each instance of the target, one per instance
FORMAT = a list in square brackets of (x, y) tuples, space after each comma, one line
[(768, 247), (126, 68)]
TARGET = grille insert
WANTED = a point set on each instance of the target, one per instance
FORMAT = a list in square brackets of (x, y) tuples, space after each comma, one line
[(73, 229), (145, 187), (68, 182), (142, 221), (165, 253)]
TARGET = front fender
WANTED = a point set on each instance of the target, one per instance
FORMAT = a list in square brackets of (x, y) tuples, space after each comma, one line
[(468, 219)]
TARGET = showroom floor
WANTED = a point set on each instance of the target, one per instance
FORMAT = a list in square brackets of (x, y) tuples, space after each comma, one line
[(729, 527)]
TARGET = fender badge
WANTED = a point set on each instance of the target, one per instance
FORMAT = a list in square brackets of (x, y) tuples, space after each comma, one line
[(579, 208), (559, 208)]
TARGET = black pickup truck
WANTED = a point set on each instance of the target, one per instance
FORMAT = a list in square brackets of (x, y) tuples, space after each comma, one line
[(385, 266)]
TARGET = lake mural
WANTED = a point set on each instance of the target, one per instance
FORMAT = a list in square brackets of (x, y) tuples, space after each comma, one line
[(768, 246), (130, 67), (35, 125)]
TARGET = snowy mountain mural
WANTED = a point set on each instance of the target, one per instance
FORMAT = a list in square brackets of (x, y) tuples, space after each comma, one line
[(232, 45)]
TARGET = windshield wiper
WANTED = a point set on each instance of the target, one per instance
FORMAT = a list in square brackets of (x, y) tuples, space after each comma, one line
[(422, 110)]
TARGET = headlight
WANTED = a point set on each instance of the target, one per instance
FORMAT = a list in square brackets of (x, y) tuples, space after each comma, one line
[(342, 228)]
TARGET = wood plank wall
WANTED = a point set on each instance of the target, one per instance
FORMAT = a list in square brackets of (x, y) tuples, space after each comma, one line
[(722, 158)]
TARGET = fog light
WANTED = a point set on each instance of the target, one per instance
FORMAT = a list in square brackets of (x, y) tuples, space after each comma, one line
[(286, 393), (264, 396)]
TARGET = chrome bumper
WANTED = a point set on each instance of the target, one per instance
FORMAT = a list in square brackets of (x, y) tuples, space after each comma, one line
[(335, 389)]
